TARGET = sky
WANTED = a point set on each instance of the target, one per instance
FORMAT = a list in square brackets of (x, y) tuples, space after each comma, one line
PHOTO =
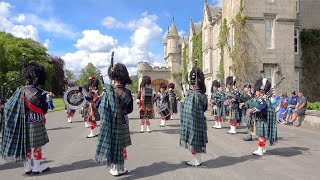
[(86, 31)]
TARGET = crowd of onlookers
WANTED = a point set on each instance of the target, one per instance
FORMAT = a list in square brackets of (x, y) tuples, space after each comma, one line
[(288, 109)]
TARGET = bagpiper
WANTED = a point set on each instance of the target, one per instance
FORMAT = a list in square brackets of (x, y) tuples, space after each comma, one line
[(263, 114), (114, 108), (24, 131), (163, 104), (231, 104), (193, 127), (217, 99), (246, 96)]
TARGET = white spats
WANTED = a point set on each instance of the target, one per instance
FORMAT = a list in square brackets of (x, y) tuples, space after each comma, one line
[(258, 152), (232, 130), (27, 166), (38, 168), (118, 170), (141, 130), (148, 129), (195, 161)]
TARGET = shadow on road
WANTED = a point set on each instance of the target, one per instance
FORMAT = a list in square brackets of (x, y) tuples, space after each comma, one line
[(58, 128), (84, 164), (13, 165), (287, 151), (166, 131), (153, 169), (224, 161)]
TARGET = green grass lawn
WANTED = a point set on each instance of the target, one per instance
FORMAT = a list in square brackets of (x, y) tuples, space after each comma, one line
[(58, 104)]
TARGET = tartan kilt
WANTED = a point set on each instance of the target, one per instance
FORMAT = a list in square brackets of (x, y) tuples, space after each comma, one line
[(235, 112), (235, 115), (37, 135), (124, 132), (261, 128), (173, 105), (221, 112), (148, 115)]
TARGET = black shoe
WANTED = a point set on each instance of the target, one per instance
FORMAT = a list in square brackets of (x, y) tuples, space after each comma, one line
[(288, 123), (28, 173), (247, 138), (44, 171)]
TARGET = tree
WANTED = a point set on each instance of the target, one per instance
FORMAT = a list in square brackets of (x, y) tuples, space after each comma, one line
[(59, 79), (134, 86), (71, 78), (87, 72), (11, 51)]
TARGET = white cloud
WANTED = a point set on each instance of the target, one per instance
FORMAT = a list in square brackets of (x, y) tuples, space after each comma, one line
[(46, 43), (25, 31), (5, 9), (51, 25), (96, 48), (181, 32), (20, 18), (94, 41), (110, 22)]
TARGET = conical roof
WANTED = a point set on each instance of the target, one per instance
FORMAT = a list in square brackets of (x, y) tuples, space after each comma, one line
[(173, 30)]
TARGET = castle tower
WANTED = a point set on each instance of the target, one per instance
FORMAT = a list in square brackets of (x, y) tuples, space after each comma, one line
[(172, 52)]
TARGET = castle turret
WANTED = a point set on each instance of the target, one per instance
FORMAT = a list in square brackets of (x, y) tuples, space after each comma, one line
[(171, 43)]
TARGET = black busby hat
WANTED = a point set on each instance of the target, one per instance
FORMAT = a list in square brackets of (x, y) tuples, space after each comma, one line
[(216, 83), (146, 80), (262, 84), (163, 85), (231, 80), (171, 85), (34, 73), (247, 85)]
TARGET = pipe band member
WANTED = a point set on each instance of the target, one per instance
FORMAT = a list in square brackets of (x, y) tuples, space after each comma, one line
[(114, 137), (25, 118)]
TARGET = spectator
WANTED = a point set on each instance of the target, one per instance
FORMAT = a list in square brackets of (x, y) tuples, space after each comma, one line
[(283, 105), (50, 101), (292, 104), (300, 109)]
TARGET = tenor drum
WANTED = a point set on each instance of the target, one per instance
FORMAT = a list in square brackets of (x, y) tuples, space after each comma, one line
[(164, 111)]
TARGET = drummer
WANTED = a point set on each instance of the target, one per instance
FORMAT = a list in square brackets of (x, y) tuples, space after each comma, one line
[(163, 105)]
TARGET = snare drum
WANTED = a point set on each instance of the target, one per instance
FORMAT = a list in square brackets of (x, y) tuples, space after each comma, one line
[(164, 111)]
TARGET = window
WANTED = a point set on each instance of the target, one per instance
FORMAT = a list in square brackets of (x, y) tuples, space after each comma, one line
[(297, 80), (206, 34), (206, 61), (297, 6), (296, 41), (269, 33), (268, 73)]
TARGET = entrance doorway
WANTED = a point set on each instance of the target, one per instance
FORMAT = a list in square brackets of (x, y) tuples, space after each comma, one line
[(156, 84)]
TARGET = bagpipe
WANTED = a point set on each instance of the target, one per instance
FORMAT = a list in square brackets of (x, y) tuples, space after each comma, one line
[(75, 97), (253, 103)]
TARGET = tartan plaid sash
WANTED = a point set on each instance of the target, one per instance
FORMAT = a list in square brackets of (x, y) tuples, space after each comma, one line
[(14, 140)]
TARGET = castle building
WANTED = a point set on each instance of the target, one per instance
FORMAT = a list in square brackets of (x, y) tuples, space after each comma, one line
[(272, 42)]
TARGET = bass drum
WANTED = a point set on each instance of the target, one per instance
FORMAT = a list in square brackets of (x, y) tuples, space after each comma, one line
[(73, 99)]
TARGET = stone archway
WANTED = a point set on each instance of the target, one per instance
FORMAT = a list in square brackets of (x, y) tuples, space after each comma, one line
[(156, 84)]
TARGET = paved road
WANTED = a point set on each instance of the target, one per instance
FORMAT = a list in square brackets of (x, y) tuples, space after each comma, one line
[(158, 156)]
